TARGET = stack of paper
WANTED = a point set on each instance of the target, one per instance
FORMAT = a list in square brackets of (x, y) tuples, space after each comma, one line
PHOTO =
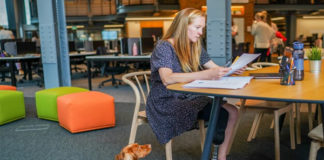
[(223, 83), (242, 61)]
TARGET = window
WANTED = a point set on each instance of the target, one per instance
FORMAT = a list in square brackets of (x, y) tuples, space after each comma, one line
[(3, 13), (27, 12)]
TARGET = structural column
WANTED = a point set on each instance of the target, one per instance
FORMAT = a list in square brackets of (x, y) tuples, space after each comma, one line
[(291, 21), (219, 37), (54, 44)]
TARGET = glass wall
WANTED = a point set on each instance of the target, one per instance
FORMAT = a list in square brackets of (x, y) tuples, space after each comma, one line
[(3, 13)]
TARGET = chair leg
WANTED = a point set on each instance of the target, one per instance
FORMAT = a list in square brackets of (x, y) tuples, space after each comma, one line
[(319, 116), (310, 117), (292, 129), (315, 146), (253, 127), (202, 133), (276, 135), (241, 113), (168, 150), (272, 124), (298, 134), (133, 132), (257, 126)]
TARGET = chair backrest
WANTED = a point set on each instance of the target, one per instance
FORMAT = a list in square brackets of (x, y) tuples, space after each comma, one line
[(259, 65), (11, 48), (137, 80)]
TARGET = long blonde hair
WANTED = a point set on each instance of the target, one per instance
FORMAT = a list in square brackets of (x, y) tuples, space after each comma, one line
[(187, 52)]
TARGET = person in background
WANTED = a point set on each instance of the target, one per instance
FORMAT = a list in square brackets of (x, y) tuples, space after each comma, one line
[(179, 57), (6, 34), (318, 42), (234, 29), (36, 39), (262, 33), (267, 19), (277, 43)]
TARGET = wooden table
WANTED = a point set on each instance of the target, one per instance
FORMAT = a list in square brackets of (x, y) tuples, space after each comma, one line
[(107, 58), (310, 90)]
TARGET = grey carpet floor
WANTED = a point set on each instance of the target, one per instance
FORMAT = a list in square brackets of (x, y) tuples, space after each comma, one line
[(32, 139)]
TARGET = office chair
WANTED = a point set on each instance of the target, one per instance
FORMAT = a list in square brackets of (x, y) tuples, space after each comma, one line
[(139, 82), (110, 68), (4, 70)]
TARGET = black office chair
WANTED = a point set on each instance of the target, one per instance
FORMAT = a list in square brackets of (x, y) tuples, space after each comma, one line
[(4, 70), (110, 68)]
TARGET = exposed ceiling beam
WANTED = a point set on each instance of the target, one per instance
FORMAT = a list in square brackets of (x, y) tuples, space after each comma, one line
[(288, 7)]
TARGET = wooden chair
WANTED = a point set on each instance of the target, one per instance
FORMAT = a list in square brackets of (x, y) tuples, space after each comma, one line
[(317, 141), (310, 120), (139, 82), (259, 65), (261, 107)]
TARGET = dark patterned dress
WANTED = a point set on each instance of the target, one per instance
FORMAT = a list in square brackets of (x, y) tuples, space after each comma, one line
[(170, 113)]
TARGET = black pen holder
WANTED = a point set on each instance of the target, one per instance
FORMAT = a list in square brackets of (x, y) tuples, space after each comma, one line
[(287, 71)]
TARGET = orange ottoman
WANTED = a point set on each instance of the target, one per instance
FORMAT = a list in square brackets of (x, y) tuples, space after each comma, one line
[(84, 111), (6, 87)]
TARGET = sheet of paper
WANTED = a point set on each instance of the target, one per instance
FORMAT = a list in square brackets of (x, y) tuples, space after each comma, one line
[(242, 61), (234, 82)]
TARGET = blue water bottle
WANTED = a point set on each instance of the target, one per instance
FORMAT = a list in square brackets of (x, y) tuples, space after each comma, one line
[(298, 55)]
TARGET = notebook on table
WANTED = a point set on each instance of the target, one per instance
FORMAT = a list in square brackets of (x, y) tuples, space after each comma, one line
[(265, 75)]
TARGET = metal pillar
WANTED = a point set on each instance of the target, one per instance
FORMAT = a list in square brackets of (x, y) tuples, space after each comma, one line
[(291, 21), (11, 16), (54, 44), (219, 37), (18, 8)]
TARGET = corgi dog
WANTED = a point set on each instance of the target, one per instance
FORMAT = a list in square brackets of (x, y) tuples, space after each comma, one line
[(133, 152)]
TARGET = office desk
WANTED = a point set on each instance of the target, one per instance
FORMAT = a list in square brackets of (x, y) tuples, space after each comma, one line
[(77, 58), (81, 54), (310, 90), (32, 58), (12, 60), (105, 58)]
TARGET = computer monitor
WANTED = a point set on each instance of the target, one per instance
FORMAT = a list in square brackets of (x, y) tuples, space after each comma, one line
[(109, 35), (134, 46), (147, 44), (26, 47), (71, 46), (79, 45), (123, 45), (99, 43)]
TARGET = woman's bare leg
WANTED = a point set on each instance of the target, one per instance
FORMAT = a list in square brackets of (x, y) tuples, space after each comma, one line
[(233, 115)]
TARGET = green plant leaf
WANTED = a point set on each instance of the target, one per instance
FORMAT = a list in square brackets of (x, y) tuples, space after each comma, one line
[(315, 53)]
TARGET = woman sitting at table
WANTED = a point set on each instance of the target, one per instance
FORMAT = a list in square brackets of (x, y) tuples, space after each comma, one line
[(179, 57)]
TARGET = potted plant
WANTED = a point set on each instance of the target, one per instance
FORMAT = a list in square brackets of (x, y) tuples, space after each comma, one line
[(315, 59)]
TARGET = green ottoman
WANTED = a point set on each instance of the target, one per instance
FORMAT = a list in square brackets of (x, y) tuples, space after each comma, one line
[(46, 104), (12, 106)]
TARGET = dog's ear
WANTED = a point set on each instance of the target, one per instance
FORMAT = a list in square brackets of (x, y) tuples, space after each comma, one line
[(119, 156), (142, 150)]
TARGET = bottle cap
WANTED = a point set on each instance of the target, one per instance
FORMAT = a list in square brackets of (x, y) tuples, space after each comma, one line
[(298, 45)]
